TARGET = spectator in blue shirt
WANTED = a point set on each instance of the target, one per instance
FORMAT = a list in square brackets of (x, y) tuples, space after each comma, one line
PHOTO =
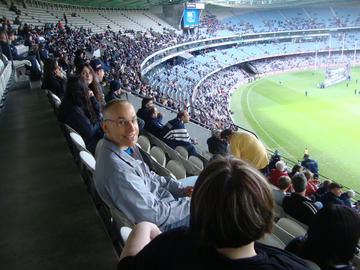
[(153, 124), (311, 165), (333, 195)]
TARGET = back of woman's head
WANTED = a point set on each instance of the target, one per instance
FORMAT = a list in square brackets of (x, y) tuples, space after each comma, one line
[(296, 168), (333, 235), (231, 205), (49, 67), (76, 93)]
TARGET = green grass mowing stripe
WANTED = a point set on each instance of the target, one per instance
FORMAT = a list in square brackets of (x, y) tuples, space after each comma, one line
[(327, 121)]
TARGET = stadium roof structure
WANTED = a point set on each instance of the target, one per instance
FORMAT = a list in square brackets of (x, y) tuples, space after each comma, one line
[(146, 4), (273, 3), (121, 4)]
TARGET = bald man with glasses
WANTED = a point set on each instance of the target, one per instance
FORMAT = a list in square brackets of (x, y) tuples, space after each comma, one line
[(125, 181)]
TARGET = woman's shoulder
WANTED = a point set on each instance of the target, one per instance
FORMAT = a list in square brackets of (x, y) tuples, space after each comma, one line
[(275, 258)]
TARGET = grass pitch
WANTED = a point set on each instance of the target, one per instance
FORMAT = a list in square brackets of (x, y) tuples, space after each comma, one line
[(326, 121)]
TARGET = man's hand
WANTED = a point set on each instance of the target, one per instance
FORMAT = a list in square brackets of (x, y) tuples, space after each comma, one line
[(188, 191)]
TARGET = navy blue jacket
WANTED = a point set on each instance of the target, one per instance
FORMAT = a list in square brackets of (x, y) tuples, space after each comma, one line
[(55, 85), (154, 126), (174, 133), (330, 197), (76, 118), (311, 165)]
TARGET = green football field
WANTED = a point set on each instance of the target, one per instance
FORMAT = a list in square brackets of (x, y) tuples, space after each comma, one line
[(326, 121)]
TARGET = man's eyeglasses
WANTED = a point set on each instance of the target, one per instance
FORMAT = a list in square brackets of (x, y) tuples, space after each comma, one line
[(122, 123)]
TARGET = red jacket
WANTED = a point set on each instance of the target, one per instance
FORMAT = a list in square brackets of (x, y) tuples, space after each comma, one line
[(274, 176)]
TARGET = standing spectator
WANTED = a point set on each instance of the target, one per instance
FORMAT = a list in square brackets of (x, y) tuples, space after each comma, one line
[(65, 19), (333, 195), (297, 205), (311, 165), (246, 146), (217, 145), (277, 172), (331, 238), (231, 208), (174, 133)]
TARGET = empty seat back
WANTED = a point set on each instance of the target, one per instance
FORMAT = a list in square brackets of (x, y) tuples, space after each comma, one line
[(177, 169), (182, 151), (159, 155)]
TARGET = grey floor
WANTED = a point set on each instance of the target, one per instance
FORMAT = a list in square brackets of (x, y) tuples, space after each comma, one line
[(48, 220)]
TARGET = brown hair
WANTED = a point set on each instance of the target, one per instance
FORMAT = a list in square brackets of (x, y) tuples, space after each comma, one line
[(93, 85), (284, 182), (231, 205)]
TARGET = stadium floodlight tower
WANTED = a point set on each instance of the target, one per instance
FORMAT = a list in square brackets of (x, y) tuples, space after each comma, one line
[(190, 16)]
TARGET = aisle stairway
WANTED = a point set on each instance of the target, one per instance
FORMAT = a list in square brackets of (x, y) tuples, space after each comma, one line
[(48, 219)]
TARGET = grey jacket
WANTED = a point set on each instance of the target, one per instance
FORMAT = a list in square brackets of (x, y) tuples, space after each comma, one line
[(140, 194)]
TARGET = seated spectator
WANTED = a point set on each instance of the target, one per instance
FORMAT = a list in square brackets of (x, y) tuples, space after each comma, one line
[(11, 53), (145, 104), (87, 73), (276, 173), (280, 192), (357, 206), (333, 195), (99, 68), (295, 169), (346, 196), (246, 146), (174, 133), (80, 110), (125, 181), (53, 79), (297, 205), (217, 145), (114, 90), (79, 59), (323, 188), (311, 186), (331, 238), (43, 53), (227, 217), (153, 124), (311, 165)]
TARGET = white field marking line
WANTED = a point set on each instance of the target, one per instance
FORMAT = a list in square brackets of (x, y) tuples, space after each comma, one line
[(257, 122)]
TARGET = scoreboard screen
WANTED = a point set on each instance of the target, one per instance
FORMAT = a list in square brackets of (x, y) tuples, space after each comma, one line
[(190, 18)]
